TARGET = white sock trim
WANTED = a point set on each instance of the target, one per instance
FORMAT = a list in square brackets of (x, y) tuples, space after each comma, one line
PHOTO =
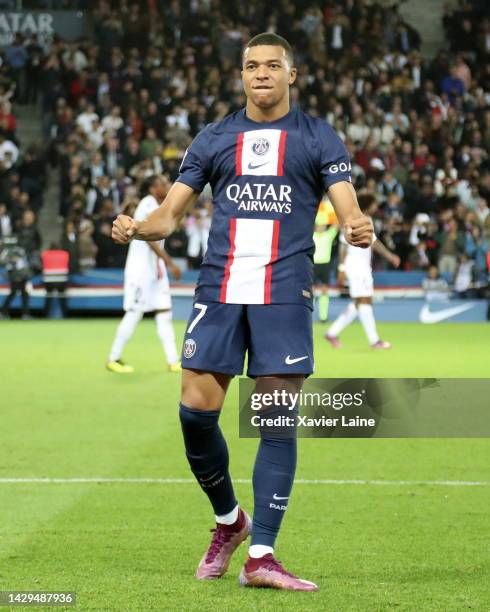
[(228, 519), (259, 550)]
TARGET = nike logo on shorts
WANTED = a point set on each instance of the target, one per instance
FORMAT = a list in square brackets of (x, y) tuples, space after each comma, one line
[(289, 361), (277, 498)]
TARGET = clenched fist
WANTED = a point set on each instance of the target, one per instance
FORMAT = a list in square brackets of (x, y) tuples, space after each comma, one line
[(124, 229), (359, 232)]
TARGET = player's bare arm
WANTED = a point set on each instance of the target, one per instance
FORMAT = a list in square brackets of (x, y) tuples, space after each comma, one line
[(162, 222), (162, 254), (380, 248), (357, 227)]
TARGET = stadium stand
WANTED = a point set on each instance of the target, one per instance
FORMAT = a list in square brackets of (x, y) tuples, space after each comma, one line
[(126, 101)]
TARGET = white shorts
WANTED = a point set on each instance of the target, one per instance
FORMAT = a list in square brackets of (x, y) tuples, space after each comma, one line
[(360, 282), (146, 295)]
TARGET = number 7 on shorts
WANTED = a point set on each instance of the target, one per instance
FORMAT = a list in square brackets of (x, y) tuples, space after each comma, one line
[(202, 311)]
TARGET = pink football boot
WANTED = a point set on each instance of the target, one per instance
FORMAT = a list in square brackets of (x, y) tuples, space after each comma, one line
[(225, 540), (269, 573)]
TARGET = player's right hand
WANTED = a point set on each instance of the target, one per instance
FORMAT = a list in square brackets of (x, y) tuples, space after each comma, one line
[(124, 229), (359, 231)]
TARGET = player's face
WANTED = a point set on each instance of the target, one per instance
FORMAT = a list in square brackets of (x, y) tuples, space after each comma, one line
[(266, 75), (161, 188)]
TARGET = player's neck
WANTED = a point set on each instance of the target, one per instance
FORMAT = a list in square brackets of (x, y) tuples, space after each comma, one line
[(266, 115)]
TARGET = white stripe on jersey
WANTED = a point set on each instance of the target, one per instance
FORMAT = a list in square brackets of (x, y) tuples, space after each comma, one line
[(253, 251)]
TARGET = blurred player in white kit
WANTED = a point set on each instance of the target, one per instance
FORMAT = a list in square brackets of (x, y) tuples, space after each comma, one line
[(357, 269), (146, 286)]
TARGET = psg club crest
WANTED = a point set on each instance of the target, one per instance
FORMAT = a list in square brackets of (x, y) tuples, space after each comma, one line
[(261, 146), (189, 348)]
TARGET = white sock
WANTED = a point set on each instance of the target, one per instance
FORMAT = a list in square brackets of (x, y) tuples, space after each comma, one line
[(366, 316), (124, 332), (259, 550), (166, 334), (345, 318), (228, 519)]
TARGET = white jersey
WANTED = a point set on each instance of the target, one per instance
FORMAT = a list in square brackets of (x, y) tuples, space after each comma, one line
[(357, 258), (141, 261), (146, 286), (358, 270)]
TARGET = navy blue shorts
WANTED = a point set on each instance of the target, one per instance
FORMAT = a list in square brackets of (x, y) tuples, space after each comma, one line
[(278, 338)]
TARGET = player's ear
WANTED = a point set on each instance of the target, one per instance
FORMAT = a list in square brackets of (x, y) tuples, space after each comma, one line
[(292, 75)]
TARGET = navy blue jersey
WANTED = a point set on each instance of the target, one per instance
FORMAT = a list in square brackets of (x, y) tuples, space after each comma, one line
[(267, 181)]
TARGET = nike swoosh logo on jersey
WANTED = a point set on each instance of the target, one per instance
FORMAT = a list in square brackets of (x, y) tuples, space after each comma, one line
[(426, 316), (277, 498), (289, 361), (255, 166)]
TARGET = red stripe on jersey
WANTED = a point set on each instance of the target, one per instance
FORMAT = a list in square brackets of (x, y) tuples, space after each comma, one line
[(281, 152), (229, 261), (238, 155), (268, 268)]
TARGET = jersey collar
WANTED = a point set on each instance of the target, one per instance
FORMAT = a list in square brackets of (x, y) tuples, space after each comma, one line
[(264, 124)]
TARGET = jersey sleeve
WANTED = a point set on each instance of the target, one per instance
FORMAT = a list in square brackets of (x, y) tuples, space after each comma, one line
[(335, 165), (195, 167)]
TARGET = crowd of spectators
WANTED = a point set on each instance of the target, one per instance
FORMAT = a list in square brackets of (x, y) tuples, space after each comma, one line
[(126, 103)]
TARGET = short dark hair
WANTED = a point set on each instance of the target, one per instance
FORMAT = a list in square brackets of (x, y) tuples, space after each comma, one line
[(365, 200), (269, 38), (147, 184)]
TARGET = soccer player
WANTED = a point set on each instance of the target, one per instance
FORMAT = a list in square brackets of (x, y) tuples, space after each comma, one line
[(357, 268), (146, 287), (268, 166)]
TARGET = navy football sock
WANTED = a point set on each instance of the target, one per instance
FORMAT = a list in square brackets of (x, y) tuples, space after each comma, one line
[(273, 479), (207, 453)]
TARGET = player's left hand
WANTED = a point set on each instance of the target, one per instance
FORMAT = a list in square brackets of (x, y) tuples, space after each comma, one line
[(359, 231), (175, 271), (395, 260)]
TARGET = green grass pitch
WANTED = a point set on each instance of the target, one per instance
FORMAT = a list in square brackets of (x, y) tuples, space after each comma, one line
[(133, 546)]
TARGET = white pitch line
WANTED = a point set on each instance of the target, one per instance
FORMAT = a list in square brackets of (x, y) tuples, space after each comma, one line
[(301, 481)]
